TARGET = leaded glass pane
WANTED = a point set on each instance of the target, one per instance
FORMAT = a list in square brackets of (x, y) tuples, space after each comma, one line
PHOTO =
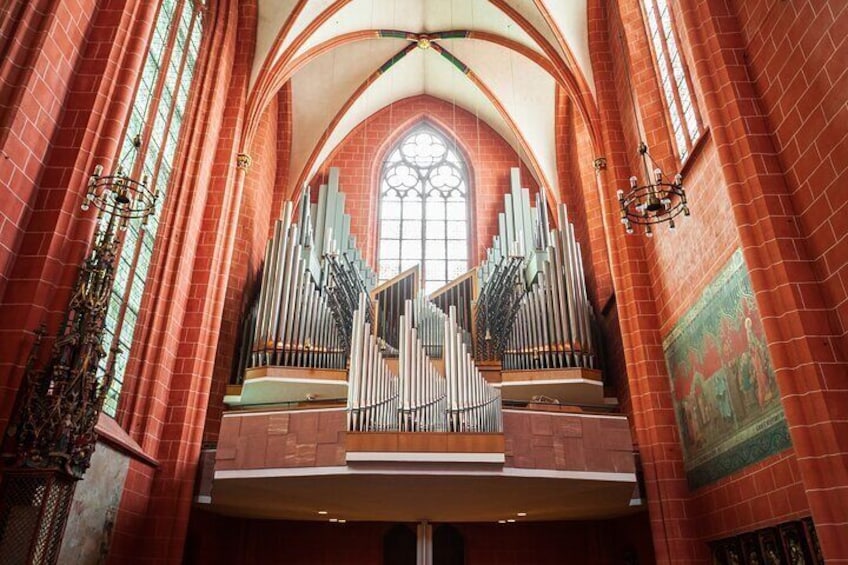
[(159, 121), (675, 85), (423, 202)]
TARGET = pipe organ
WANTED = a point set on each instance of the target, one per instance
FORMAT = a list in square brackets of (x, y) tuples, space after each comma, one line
[(419, 397), (412, 360), (553, 323)]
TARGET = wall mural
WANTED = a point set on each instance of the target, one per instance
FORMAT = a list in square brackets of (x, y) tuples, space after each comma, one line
[(725, 394)]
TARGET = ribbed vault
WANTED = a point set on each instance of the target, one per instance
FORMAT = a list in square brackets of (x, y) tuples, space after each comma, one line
[(502, 60)]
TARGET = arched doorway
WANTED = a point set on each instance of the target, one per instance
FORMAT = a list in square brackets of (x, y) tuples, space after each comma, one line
[(448, 546), (399, 546)]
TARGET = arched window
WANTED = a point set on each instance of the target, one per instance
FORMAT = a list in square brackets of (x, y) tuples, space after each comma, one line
[(675, 81), (158, 110), (424, 209)]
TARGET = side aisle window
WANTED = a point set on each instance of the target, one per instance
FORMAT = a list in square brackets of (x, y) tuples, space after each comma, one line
[(673, 75), (157, 114)]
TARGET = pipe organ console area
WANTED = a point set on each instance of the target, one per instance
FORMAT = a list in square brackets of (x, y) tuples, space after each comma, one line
[(488, 388), (415, 362)]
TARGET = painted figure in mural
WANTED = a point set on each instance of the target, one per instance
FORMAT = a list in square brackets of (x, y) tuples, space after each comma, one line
[(722, 395), (759, 363)]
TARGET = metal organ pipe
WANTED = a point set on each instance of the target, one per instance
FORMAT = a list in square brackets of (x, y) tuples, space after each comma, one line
[(553, 327), (372, 387)]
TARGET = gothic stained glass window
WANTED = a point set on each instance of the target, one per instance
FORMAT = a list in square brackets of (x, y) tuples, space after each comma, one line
[(424, 209), (157, 114), (674, 78)]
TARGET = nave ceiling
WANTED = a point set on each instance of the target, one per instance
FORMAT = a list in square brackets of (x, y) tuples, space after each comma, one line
[(500, 60)]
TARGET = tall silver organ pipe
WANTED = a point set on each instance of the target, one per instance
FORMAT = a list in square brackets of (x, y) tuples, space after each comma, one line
[(420, 398), (293, 324), (372, 401), (423, 391), (533, 311), (552, 328), (344, 274), (510, 262), (313, 274), (473, 404)]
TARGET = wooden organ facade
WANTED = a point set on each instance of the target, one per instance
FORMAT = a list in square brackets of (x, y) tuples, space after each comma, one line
[(486, 388)]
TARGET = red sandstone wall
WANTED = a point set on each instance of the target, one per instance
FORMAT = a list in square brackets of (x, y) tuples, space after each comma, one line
[(248, 254), (567, 442), (489, 160), (288, 439), (796, 58), (770, 491)]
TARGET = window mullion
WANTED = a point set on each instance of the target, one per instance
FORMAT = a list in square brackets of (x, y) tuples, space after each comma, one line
[(156, 95), (174, 102)]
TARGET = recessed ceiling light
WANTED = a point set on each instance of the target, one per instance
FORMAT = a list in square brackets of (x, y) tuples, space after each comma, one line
[(342, 521), (521, 514), (334, 519), (501, 521), (322, 512), (511, 520)]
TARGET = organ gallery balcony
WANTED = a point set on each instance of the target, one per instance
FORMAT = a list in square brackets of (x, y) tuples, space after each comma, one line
[(293, 463), (479, 401)]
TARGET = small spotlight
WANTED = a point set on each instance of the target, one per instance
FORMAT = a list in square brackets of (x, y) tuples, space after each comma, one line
[(511, 520), (501, 521), (334, 520), (521, 514), (322, 512), (342, 521)]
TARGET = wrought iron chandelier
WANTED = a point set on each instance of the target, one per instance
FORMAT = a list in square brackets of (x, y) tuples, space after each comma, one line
[(654, 202), (61, 401)]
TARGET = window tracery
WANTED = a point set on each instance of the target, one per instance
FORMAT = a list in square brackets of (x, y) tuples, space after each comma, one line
[(424, 209)]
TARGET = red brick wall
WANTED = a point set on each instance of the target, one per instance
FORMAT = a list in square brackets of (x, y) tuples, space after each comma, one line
[(248, 255), (170, 368), (796, 58), (217, 539), (736, 200), (55, 123), (490, 159), (579, 192)]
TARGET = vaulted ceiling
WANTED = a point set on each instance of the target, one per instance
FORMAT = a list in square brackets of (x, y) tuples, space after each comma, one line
[(501, 60)]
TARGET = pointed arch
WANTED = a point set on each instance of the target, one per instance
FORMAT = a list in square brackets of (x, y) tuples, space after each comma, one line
[(423, 209)]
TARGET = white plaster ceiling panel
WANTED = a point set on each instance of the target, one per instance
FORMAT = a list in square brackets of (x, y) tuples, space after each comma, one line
[(404, 79), (419, 16), (311, 10), (368, 14), (571, 17), (322, 87), (272, 15), (525, 90), (445, 81), (419, 72), (477, 15), (528, 9)]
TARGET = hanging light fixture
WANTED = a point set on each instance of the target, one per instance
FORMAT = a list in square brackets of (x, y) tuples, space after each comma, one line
[(119, 196), (652, 203), (657, 201)]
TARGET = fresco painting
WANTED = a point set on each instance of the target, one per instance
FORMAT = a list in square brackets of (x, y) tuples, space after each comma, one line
[(726, 399)]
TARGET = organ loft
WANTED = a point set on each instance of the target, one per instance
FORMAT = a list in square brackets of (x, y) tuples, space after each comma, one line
[(429, 282)]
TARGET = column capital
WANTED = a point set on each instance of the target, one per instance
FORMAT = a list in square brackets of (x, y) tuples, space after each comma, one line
[(243, 161), (600, 164)]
